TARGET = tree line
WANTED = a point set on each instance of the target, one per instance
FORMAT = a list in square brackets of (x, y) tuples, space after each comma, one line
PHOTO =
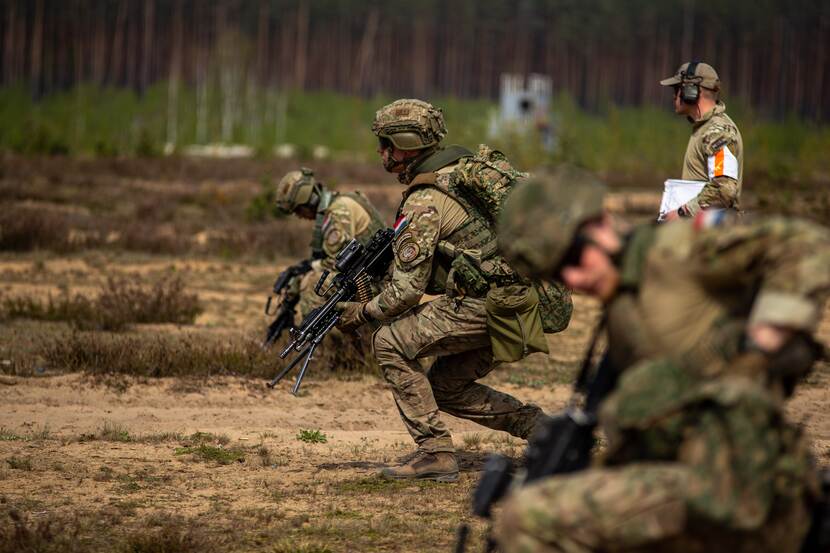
[(774, 54)]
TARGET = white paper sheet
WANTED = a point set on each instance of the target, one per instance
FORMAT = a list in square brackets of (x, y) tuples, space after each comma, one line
[(677, 192)]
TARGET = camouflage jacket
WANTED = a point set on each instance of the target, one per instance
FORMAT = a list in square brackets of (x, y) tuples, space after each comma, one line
[(690, 288), (340, 218), (687, 392), (715, 155)]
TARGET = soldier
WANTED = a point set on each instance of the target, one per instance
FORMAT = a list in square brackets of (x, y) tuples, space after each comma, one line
[(338, 217), (715, 153), (709, 323), (446, 248)]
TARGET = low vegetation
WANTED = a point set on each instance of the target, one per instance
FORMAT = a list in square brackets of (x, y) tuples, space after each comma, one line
[(312, 436), (120, 303)]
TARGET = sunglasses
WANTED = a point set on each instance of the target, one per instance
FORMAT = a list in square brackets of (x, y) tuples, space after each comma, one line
[(573, 255)]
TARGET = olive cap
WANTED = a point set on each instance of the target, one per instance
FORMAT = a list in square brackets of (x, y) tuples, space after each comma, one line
[(704, 75), (542, 216), (295, 189), (410, 124)]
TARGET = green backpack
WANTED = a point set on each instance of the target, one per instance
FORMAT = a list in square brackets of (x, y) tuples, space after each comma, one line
[(484, 181)]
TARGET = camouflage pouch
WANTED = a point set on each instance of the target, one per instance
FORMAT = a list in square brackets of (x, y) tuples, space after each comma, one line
[(513, 322), (466, 279), (555, 306)]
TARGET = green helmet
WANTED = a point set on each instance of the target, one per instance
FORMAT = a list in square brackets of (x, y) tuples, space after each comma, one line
[(542, 216), (295, 189), (410, 124)]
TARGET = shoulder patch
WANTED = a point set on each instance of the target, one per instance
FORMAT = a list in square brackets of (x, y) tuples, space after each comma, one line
[(333, 237), (408, 251)]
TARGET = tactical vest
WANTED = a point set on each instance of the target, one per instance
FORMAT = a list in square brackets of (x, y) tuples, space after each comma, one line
[(326, 198), (467, 260)]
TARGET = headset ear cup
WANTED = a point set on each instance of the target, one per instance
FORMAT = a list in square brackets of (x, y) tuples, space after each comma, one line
[(689, 93)]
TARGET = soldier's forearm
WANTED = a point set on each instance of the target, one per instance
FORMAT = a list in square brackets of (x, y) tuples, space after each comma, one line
[(388, 305), (722, 192)]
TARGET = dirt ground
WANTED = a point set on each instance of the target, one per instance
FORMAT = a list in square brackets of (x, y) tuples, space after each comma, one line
[(224, 464)]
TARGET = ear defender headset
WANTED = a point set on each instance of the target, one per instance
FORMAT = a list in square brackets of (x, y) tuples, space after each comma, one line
[(689, 88)]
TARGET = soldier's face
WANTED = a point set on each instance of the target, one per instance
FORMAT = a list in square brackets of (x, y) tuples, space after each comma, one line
[(305, 212), (393, 158), (591, 269), (595, 274)]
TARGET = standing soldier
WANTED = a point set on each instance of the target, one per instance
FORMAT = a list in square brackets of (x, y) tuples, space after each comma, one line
[(715, 153), (445, 246), (338, 217), (709, 327)]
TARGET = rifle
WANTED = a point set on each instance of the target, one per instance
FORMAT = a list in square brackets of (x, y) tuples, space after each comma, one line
[(562, 444), (284, 316), (356, 266)]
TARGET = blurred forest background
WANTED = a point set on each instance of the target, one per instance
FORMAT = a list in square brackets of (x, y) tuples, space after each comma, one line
[(140, 77)]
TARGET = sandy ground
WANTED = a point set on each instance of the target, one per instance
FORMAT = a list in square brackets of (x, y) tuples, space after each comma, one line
[(120, 462)]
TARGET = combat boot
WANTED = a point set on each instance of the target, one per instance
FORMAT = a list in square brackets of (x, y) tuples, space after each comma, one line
[(440, 466)]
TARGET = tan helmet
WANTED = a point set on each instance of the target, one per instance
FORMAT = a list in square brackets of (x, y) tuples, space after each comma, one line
[(295, 189), (410, 124), (541, 218)]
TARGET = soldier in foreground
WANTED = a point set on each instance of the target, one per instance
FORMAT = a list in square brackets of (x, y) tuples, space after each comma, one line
[(709, 326), (715, 153), (338, 217), (445, 247)]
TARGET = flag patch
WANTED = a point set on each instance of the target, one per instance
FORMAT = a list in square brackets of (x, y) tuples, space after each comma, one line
[(709, 218), (400, 224), (723, 164)]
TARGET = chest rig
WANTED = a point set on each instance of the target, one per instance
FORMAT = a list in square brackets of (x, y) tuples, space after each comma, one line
[(467, 262)]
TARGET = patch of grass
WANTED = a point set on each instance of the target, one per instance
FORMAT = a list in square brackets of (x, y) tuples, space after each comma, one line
[(7, 435), (378, 485), (473, 440), (111, 431), (292, 547), (120, 303), (209, 453), (312, 436), (20, 463)]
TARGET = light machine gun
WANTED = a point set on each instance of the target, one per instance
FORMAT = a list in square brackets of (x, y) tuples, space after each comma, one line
[(356, 267), (284, 315)]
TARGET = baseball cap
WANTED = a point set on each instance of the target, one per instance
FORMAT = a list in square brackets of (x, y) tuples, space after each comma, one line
[(704, 75)]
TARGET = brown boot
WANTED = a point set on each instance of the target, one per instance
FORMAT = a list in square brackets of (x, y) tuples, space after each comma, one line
[(440, 466)]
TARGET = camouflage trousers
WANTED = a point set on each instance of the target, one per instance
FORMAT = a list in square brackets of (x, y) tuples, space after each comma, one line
[(635, 508), (455, 333)]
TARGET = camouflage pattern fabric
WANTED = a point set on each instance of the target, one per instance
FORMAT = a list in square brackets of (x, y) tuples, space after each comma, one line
[(698, 286), (347, 216), (690, 466), (456, 332), (710, 135)]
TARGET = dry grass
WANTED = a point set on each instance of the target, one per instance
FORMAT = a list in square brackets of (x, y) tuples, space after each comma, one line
[(191, 355), (120, 303)]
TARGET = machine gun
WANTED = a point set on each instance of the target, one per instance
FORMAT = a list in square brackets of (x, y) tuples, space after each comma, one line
[(284, 315), (562, 444), (356, 266)]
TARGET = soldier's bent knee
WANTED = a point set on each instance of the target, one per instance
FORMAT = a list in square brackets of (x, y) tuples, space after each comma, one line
[(384, 346)]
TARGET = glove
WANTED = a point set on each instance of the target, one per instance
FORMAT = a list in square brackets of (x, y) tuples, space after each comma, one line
[(352, 315)]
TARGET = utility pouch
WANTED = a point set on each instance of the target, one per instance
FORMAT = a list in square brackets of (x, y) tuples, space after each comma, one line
[(555, 306), (466, 279), (513, 322)]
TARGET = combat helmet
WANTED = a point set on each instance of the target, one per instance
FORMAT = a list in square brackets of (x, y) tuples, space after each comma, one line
[(410, 124), (295, 189), (542, 216)]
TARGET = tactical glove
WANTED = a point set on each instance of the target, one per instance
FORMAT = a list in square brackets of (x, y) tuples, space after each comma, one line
[(352, 315)]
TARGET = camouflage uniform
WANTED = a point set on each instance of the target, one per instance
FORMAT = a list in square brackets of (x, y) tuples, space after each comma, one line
[(341, 217), (715, 152), (452, 327), (338, 218), (700, 456)]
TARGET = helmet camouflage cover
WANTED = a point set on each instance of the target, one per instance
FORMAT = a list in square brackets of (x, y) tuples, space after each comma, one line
[(410, 124), (295, 189), (542, 216)]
